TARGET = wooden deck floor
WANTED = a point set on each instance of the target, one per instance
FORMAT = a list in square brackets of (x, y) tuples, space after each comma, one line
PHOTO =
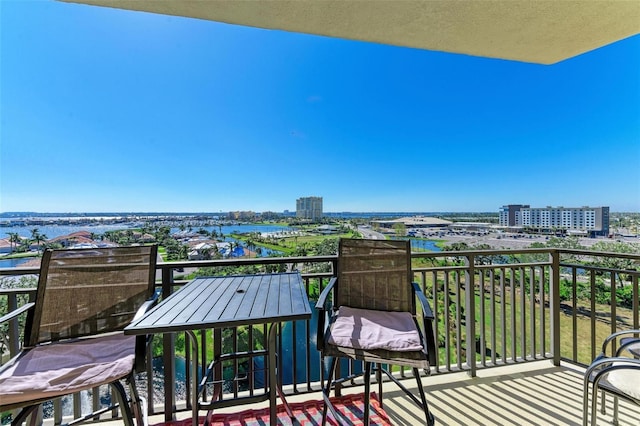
[(526, 394)]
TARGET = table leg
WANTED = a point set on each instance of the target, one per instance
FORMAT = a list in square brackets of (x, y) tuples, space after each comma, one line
[(273, 383), (193, 365)]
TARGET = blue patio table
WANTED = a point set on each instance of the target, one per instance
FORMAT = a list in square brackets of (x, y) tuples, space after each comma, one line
[(230, 301)]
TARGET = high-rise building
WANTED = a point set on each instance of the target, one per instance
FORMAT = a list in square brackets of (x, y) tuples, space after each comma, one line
[(589, 220), (509, 214), (309, 208)]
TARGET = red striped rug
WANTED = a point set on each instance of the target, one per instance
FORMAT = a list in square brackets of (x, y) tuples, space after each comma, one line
[(306, 414)]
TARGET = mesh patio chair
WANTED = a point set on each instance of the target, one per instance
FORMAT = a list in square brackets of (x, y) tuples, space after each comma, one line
[(73, 338), (372, 318), (613, 372)]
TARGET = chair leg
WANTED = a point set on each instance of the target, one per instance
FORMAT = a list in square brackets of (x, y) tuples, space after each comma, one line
[(327, 390), (585, 402), (121, 397), (367, 392), (379, 380), (427, 413), (594, 404), (615, 411), (24, 413), (35, 418), (138, 404)]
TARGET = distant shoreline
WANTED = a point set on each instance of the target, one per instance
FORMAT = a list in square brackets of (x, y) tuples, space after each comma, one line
[(221, 213), (502, 243)]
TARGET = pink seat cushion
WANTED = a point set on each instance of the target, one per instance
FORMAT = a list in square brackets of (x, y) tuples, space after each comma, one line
[(63, 368), (369, 329)]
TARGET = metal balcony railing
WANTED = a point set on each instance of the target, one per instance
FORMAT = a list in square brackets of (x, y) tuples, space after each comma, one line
[(492, 307)]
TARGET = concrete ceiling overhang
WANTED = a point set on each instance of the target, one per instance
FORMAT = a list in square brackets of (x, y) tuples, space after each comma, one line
[(542, 32)]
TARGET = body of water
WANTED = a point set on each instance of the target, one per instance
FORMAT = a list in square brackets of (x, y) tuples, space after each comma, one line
[(53, 231), (13, 263), (424, 245)]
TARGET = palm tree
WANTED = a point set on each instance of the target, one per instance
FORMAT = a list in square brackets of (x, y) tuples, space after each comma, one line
[(37, 237), (183, 252), (232, 246), (206, 253), (44, 239), (251, 245), (14, 239)]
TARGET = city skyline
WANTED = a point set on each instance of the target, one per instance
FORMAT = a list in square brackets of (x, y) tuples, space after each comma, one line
[(106, 110), (497, 212)]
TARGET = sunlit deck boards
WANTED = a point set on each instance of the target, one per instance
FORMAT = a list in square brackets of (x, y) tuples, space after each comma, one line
[(527, 394), (535, 393)]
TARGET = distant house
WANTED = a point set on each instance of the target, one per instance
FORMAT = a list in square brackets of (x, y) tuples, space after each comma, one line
[(83, 246), (142, 238), (78, 240), (73, 239), (147, 238), (5, 246), (202, 251), (327, 229)]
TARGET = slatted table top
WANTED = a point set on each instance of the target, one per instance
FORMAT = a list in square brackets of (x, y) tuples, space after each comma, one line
[(215, 302)]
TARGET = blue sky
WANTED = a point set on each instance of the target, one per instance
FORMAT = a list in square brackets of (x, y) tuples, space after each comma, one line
[(112, 110)]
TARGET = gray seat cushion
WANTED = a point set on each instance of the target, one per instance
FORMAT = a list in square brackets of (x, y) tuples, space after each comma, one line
[(626, 381), (358, 337), (369, 329), (52, 370)]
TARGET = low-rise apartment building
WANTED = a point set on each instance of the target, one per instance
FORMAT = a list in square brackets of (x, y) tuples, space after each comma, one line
[(591, 221)]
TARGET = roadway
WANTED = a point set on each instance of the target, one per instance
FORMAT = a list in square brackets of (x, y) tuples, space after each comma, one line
[(370, 234)]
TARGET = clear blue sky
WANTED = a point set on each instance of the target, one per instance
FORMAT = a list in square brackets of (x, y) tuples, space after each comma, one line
[(112, 110)]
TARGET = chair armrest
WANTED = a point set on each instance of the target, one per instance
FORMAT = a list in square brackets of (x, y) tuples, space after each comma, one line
[(631, 345), (426, 308), (13, 314), (321, 306), (604, 365), (143, 341), (603, 362), (322, 300), (148, 304), (614, 336), (427, 318)]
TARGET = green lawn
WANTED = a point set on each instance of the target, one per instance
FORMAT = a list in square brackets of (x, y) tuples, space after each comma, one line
[(506, 336)]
